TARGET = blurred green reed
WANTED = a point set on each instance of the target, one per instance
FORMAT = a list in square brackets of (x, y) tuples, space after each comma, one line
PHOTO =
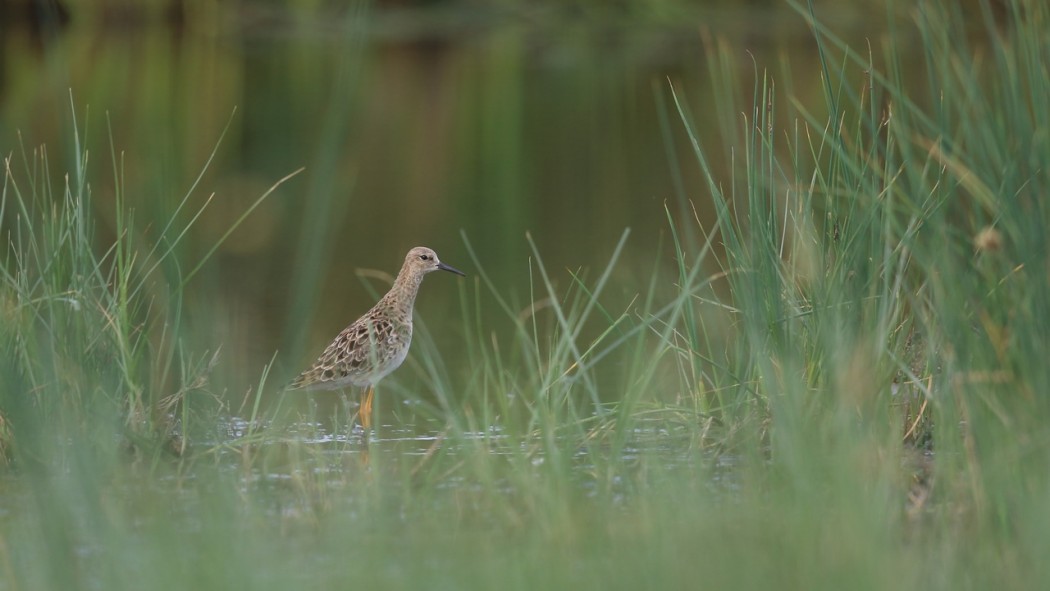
[(842, 383)]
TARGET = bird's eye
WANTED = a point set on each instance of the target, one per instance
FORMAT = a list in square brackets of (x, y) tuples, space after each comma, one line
[(424, 257)]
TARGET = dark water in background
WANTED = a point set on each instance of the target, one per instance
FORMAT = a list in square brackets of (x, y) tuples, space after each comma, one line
[(413, 128)]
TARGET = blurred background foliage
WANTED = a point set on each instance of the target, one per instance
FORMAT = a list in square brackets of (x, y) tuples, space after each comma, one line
[(414, 121)]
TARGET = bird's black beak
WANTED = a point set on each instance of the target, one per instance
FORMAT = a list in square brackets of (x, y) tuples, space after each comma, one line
[(445, 267)]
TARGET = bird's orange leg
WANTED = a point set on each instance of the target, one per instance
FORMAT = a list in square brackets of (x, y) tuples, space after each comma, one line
[(365, 413)]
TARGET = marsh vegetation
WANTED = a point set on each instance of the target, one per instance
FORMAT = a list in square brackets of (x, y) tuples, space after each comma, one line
[(792, 334)]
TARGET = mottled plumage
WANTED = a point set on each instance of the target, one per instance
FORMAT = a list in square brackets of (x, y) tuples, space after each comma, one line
[(377, 343)]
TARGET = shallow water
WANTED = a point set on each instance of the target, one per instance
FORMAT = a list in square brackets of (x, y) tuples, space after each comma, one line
[(327, 447)]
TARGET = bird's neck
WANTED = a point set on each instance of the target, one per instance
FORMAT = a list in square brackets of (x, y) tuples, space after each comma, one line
[(402, 295)]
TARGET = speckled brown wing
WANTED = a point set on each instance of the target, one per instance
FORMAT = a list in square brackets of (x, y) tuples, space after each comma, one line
[(351, 358)]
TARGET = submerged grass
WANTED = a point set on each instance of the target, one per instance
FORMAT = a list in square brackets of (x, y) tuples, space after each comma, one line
[(841, 383)]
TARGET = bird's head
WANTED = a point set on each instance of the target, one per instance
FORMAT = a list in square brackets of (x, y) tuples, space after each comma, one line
[(425, 260)]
